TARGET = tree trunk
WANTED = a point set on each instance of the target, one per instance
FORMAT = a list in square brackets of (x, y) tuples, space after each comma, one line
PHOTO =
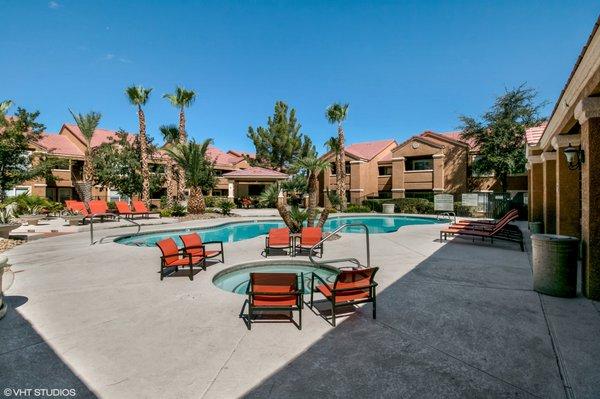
[(287, 219), (85, 190), (313, 192), (504, 182), (196, 203), (323, 218), (144, 158), (179, 169), (170, 184), (341, 173)]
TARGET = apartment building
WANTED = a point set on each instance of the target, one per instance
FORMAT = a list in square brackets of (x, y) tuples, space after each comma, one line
[(68, 147), (421, 166)]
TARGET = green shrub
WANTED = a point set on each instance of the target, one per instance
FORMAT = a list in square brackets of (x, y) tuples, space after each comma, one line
[(402, 205), (111, 205), (165, 213), (178, 210), (354, 208), (226, 206), (462, 210), (211, 201)]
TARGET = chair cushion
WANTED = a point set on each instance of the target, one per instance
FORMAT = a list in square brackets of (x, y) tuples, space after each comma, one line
[(273, 301), (183, 261)]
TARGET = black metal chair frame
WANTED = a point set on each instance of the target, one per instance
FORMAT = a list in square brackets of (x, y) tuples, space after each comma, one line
[(203, 247), (179, 254), (289, 247), (298, 292), (372, 295)]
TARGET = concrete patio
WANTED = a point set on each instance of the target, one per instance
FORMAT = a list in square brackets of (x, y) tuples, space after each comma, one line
[(454, 319)]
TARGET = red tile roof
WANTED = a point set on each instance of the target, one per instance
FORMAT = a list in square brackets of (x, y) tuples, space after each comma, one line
[(223, 158), (534, 134), (256, 171), (368, 150), (100, 136), (59, 145)]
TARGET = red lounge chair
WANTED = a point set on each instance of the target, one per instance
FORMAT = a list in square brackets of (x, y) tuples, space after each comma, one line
[(489, 225), (175, 257), (192, 244), (500, 231), (351, 287), (77, 207), (278, 238), (309, 236), (140, 208), (125, 211), (512, 215), (274, 292)]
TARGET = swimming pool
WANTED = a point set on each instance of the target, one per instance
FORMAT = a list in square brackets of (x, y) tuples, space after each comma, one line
[(235, 279), (237, 231)]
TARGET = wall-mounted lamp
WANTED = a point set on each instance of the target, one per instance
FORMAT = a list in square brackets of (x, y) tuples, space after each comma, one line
[(575, 157)]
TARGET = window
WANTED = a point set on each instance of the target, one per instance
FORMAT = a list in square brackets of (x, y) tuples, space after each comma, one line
[(385, 194), (13, 192), (419, 164), (64, 194), (348, 168), (333, 168), (385, 171)]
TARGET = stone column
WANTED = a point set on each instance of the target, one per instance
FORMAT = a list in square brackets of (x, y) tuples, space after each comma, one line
[(587, 112), (568, 189), (528, 167), (549, 206), (536, 199), (438, 173), (398, 168)]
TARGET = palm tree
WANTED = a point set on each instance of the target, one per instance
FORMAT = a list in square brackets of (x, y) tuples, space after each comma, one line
[(336, 114), (170, 135), (181, 99), (138, 96), (4, 106), (87, 124), (333, 145), (199, 171), (313, 166)]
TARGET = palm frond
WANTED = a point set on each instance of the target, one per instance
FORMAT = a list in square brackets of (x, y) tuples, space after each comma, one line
[(170, 133), (181, 98), (137, 95), (336, 113), (4, 106), (87, 123)]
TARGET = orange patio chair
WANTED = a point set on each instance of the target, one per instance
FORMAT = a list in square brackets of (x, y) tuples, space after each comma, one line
[(99, 207), (173, 257), (279, 292), (310, 236), (192, 244), (125, 210), (278, 238), (77, 207), (351, 287), (140, 208)]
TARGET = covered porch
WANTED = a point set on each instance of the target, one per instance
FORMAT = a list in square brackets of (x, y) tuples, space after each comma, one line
[(251, 182)]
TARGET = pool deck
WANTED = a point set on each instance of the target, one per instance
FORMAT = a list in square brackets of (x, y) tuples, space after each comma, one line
[(454, 319)]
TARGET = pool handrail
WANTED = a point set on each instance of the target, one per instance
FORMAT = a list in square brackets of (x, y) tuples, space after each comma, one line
[(353, 260), (94, 215)]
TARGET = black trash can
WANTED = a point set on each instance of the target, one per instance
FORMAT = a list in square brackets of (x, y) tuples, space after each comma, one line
[(536, 227), (555, 264)]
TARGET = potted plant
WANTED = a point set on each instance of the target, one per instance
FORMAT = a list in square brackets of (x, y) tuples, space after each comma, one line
[(7, 218)]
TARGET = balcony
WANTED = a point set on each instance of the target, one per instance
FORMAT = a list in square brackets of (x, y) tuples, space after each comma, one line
[(418, 179)]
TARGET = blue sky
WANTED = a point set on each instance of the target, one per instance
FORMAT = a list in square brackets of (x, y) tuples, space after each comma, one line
[(404, 67)]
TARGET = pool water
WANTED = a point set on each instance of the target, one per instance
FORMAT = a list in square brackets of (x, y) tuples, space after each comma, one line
[(238, 231), (235, 279)]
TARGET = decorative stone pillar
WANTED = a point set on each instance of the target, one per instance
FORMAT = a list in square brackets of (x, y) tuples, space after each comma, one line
[(587, 112), (281, 197), (230, 191), (549, 203), (536, 199), (438, 173), (398, 167), (568, 189)]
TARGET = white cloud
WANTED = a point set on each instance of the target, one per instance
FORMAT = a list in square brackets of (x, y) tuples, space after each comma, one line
[(108, 57), (54, 4)]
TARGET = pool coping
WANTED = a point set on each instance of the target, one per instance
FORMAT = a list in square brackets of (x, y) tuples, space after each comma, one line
[(267, 262), (269, 219)]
